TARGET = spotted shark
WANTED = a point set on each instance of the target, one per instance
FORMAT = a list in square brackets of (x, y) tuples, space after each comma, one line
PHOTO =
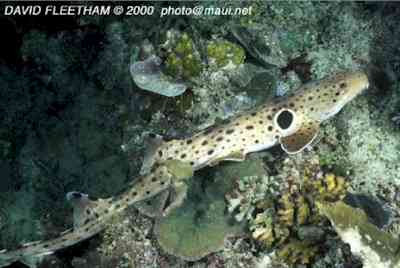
[(292, 121)]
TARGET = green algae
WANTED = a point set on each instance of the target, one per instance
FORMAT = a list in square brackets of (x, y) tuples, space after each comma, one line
[(183, 60), (222, 53)]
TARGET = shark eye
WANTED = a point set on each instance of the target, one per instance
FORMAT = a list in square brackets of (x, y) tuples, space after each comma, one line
[(285, 119)]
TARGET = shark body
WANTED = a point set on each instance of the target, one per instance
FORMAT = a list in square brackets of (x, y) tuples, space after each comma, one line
[(293, 122)]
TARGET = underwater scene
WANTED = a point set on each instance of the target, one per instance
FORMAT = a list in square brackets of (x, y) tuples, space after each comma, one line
[(203, 134)]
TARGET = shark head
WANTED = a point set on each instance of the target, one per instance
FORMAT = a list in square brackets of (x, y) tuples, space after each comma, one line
[(327, 97)]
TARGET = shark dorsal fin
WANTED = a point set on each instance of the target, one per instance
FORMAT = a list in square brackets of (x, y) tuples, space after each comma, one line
[(299, 140), (85, 210)]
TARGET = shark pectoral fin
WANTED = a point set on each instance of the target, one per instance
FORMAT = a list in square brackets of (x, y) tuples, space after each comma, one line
[(177, 196), (299, 140), (85, 210), (153, 142)]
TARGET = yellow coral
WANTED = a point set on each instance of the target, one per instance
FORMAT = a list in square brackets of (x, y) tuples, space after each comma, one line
[(278, 228), (329, 188), (303, 210), (286, 211), (297, 252)]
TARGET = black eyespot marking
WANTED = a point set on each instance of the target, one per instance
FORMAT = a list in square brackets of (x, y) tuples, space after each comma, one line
[(230, 131), (285, 119), (243, 139), (160, 153), (188, 141), (176, 152), (153, 179), (260, 122), (249, 127), (183, 155), (86, 221), (210, 152), (117, 206), (291, 104), (269, 117), (270, 128), (342, 85), (96, 215), (134, 193), (334, 100), (191, 163), (310, 98), (312, 109), (162, 182), (204, 143), (196, 152), (45, 245), (220, 138), (88, 211), (253, 114), (256, 141), (147, 192), (276, 137), (337, 93)]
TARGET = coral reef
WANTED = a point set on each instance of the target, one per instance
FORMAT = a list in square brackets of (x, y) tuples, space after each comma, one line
[(281, 210), (69, 106), (375, 247)]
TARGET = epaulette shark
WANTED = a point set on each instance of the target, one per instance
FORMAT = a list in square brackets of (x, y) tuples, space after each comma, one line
[(292, 121)]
